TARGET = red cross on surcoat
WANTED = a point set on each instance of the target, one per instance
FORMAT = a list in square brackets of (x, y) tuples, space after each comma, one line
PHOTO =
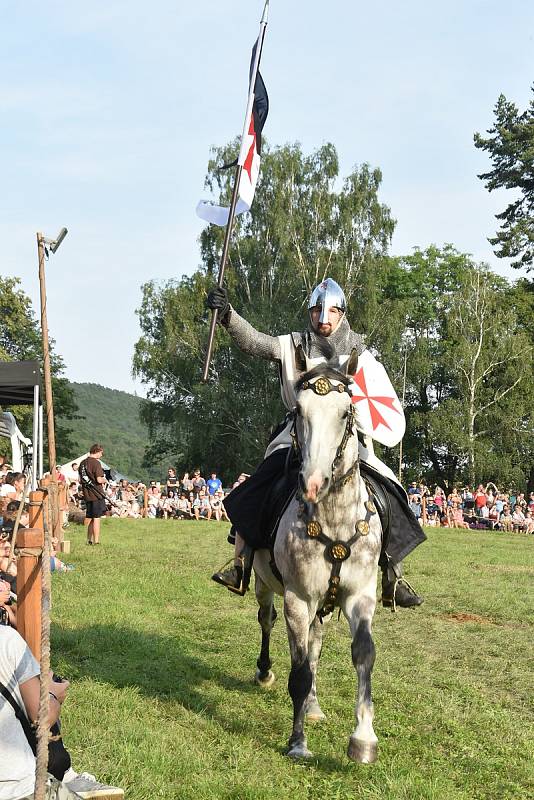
[(376, 417)]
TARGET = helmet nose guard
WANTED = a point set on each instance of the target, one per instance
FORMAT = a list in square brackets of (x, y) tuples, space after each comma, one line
[(327, 294)]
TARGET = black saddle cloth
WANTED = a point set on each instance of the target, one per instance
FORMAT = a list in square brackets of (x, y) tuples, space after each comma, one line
[(256, 505)]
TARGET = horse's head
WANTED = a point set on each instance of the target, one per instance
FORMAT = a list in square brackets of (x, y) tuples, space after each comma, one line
[(324, 423)]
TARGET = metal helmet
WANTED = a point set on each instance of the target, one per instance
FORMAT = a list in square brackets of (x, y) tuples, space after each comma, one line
[(327, 294)]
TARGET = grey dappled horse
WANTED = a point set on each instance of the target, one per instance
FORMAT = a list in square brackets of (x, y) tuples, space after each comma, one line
[(334, 528)]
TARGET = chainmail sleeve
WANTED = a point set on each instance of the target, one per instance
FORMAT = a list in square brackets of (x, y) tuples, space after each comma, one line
[(249, 340)]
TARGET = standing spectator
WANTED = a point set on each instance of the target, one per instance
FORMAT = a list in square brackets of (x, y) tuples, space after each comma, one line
[(198, 481), (186, 484), (468, 499), (480, 499), (412, 488), (214, 484), (415, 503), (92, 483), (172, 480), (531, 502)]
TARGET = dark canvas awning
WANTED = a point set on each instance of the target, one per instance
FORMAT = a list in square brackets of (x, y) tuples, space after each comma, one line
[(17, 379)]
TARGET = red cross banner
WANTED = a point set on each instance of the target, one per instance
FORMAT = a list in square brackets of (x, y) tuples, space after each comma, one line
[(250, 152), (379, 413)]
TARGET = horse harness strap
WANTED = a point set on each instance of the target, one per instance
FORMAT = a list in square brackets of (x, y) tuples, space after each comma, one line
[(336, 552)]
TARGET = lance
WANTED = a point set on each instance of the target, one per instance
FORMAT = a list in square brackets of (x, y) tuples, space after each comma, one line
[(237, 178)]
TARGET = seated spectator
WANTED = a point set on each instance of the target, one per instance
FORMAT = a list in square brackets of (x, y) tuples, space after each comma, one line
[(183, 507), (456, 516), (506, 521), (13, 486), (243, 476), (19, 672), (205, 504), (169, 505), (217, 505), (518, 519), (493, 516), (195, 505), (529, 521)]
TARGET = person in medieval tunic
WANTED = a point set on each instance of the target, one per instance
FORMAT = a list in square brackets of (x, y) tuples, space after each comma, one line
[(379, 416)]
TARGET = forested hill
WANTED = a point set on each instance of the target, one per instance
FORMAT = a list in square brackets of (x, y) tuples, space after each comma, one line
[(110, 418)]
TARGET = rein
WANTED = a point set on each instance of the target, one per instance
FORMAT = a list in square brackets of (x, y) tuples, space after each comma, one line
[(336, 552)]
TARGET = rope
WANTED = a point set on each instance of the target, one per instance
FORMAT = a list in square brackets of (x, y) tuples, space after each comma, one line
[(41, 763)]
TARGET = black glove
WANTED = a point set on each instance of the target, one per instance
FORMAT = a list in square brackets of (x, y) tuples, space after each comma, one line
[(218, 300)]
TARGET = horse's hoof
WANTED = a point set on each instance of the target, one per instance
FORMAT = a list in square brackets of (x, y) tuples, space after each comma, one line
[(265, 682), (363, 752), (314, 712), (299, 751)]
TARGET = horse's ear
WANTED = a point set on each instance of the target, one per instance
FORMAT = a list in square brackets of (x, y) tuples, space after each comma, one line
[(300, 359), (351, 364)]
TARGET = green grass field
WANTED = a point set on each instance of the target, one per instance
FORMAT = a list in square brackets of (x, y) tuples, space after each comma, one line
[(161, 662)]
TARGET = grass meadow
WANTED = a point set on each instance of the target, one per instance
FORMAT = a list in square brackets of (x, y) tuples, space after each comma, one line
[(161, 662)]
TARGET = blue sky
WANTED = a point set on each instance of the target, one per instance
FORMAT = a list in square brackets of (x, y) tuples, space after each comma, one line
[(108, 111)]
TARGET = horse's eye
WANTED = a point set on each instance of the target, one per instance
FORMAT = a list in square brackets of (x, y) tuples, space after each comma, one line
[(345, 415)]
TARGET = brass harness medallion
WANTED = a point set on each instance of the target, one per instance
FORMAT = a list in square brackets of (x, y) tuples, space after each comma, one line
[(322, 386), (362, 527), (314, 529)]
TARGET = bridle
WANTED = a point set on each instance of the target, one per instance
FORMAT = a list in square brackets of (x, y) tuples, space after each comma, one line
[(336, 551), (322, 387)]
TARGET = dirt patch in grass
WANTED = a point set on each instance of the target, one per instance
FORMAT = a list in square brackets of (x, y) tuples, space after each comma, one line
[(458, 616), (508, 568)]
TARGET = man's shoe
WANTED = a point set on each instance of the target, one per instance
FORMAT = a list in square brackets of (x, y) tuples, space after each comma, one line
[(86, 785), (232, 578), (399, 593)]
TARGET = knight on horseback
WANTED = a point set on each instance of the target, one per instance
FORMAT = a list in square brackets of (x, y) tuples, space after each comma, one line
[(246, 503)]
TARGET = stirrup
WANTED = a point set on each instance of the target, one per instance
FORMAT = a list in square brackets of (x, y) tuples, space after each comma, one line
[(242, 589), (388, 602)]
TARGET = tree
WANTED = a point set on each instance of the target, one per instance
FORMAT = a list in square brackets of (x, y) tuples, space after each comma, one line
[(20, 340), (511, 148), (303, 228), (469, 369)]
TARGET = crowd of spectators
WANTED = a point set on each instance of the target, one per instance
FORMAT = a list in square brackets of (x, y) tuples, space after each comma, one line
[(191, 497), (483, 508)]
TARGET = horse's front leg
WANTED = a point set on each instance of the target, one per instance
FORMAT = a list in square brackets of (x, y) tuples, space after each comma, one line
[(266, 618), (300, 677), (314, 712), (363, 743)]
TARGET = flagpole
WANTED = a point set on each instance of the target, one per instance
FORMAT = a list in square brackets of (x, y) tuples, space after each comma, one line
[(235, 191)]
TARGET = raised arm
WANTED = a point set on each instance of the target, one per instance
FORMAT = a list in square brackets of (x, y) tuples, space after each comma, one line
[(247, 338)]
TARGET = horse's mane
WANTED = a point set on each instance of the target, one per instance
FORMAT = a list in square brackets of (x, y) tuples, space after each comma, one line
[(330, 368)]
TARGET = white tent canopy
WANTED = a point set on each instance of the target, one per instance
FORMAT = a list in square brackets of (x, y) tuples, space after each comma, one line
[(9, 429)]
